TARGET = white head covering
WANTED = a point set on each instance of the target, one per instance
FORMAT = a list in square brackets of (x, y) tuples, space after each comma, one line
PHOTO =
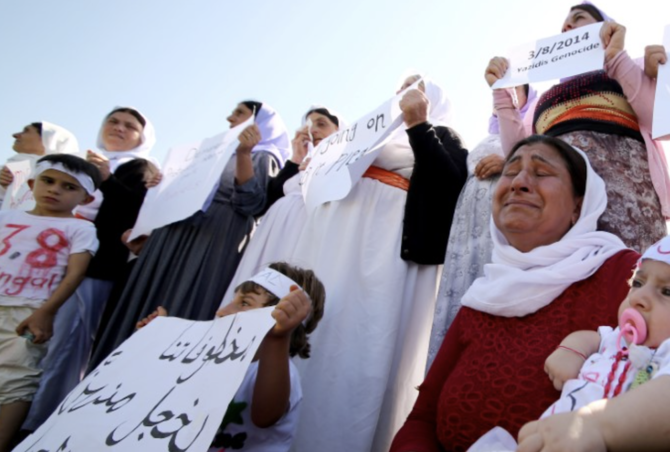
[(274, 282), (274, 136), (58, 140), (397, 155), (117, 158), (659, 251), (439, 113), (516, 284)]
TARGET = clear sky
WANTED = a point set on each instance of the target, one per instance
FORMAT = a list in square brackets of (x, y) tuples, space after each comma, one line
[(185, 64)]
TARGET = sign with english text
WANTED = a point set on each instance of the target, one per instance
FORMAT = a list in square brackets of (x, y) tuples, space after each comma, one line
[(18, 194), (339, 161), (190, 173), (165, 389), (660, 128), (571, 53)]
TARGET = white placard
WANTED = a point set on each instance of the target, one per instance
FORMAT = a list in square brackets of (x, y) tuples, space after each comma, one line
[(18, 194), (339, 161), (165, 389), (190, 173), (571, 53), (661, 122)]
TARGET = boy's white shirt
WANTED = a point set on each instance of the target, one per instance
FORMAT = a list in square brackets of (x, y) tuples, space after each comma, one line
[(277, 438), (34, 252)]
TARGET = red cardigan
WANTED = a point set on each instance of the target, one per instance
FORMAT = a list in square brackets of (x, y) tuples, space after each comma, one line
[(490, 370)]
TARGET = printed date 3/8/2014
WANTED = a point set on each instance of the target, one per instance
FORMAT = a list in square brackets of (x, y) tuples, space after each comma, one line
[(558, 45)]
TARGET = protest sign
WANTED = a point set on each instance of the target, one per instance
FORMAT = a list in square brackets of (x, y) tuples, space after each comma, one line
[(661, 122), (571, 53), (18, 194), (339, 161), (190, 173), (166, 388)]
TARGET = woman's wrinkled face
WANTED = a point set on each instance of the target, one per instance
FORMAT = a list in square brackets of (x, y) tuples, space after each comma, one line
[(321, 127), (577, 18), (240, 114), (534, 203), (121, 132), (28, 141)]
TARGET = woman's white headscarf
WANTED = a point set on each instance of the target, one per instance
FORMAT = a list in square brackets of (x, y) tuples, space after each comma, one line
[(58, 140), (397, 155), (274, 136), (516, 284), (148, 140)]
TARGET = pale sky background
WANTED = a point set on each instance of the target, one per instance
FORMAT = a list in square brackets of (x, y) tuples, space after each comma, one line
[(185, 64)]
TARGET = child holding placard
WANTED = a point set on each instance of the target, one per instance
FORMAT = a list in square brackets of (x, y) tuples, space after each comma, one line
[(43, 258), (263, 414)]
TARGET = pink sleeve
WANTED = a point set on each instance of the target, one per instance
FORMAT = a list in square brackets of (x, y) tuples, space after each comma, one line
[(637, 87), (512, 128), (640, 91)]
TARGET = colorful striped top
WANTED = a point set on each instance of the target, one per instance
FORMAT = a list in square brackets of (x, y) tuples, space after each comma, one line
[(592, 102)]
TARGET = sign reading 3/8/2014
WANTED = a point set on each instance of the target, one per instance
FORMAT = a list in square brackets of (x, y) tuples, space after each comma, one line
[(570, 53)]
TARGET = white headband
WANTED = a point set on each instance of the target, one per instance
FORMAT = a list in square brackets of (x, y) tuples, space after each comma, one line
[(660, 251), (274, 282), (84, 179)]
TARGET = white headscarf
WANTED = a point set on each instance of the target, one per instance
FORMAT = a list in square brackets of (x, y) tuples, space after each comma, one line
[(397, 155), (148, 140), (516, 284), (58, 140), (274, 136)]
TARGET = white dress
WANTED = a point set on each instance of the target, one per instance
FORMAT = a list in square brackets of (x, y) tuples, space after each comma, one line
[(369, 351), (275, 238)]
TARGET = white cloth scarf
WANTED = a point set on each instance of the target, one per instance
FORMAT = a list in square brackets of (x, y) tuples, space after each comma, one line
[(516, 284), (274, 136), (58, 140), (397, 155)]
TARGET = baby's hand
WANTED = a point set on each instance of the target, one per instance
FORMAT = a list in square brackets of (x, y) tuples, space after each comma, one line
[(563, 365), (290, 312), (159, 312)]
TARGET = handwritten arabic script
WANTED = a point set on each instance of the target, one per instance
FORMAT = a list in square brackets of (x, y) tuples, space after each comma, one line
[(165, 389)]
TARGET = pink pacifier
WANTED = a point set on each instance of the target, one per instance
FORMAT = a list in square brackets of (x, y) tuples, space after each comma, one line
[(632, 327)]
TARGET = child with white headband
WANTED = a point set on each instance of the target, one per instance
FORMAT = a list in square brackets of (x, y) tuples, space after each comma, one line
[(593, 368), (263, 414), (43, 258)]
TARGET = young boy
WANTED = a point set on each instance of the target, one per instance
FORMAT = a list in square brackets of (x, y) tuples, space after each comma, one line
[(263, 415), (43, 258)]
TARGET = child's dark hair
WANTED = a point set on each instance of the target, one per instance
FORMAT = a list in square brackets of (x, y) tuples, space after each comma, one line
[(76, 165), (38, 126), (313, 287)]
